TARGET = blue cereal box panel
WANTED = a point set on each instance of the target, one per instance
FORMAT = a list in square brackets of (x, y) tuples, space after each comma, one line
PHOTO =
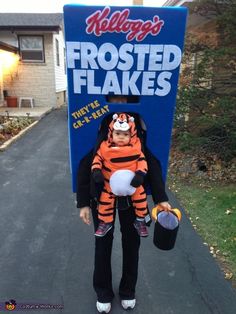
[(134, 51)]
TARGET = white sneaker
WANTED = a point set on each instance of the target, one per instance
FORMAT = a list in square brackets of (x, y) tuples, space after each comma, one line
[(103, 307), (128, 304)]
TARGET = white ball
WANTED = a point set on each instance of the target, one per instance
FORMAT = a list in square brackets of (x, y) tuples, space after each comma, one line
[(120, 182)]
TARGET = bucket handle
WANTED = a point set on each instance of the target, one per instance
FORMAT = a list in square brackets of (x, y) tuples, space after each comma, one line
[(159, 209)]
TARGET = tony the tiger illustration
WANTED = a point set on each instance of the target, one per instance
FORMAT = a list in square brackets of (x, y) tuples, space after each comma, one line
[(118, 158)]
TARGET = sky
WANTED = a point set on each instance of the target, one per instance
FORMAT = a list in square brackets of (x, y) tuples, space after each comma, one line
[(43, 6)]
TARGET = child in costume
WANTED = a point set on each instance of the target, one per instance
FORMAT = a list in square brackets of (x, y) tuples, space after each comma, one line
[(121, 165), (88, 195)]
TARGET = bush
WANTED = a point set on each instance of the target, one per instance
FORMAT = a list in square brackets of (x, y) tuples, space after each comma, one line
[(11, 126), (212, 130)]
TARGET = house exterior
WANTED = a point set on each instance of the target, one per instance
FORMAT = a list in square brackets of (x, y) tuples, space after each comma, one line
[(196, 23), (177, 3), (32, 58)]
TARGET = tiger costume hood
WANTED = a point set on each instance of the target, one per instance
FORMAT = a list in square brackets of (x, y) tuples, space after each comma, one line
[(123, 122)]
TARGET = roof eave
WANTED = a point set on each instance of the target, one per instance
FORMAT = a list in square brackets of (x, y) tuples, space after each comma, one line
[(31, 28), (7, 47)]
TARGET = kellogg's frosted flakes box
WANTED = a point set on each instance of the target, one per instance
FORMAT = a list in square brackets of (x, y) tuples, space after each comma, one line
[(133, 51)]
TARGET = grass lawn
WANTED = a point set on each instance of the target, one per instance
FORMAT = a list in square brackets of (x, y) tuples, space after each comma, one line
[(212, 210)]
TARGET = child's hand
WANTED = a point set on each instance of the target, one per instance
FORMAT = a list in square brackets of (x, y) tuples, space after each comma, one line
[(98, 176), (85, 215), (164, 206)]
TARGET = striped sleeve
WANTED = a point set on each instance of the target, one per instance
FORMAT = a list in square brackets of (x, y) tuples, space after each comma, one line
[(142, 164)]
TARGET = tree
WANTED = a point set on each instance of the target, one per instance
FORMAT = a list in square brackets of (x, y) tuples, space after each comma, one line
[(205, 116)]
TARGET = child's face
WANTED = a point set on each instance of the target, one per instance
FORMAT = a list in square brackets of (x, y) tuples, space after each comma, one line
[(120, 99), (121, 138)]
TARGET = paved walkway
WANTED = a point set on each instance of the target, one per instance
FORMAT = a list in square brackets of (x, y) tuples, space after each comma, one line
[(47, 252), (36, 112)]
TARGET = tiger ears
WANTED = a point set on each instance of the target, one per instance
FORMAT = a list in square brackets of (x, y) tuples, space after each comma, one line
[(115, 116)]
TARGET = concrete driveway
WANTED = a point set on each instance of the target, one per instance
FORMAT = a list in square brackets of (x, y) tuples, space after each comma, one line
[(35, 112), (47, 252)]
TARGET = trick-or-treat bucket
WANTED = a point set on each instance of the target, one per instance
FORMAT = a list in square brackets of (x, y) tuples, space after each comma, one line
[(166, 229)]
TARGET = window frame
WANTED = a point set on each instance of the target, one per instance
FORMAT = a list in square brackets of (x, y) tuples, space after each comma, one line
[(21, 50)]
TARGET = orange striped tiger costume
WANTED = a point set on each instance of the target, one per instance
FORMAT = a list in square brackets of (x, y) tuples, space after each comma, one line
[(110, 158)]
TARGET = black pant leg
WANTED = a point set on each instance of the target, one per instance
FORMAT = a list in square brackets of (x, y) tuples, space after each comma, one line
[(102, 276), (130, 245)]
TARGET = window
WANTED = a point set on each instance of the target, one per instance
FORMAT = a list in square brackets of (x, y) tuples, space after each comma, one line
[(31, 48), (57, 52)]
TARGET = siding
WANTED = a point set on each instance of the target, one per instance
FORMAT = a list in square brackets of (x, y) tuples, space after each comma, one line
[(60, 76)]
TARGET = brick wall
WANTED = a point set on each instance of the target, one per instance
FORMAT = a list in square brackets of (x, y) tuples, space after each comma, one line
[(61, 98), (35, 80)]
